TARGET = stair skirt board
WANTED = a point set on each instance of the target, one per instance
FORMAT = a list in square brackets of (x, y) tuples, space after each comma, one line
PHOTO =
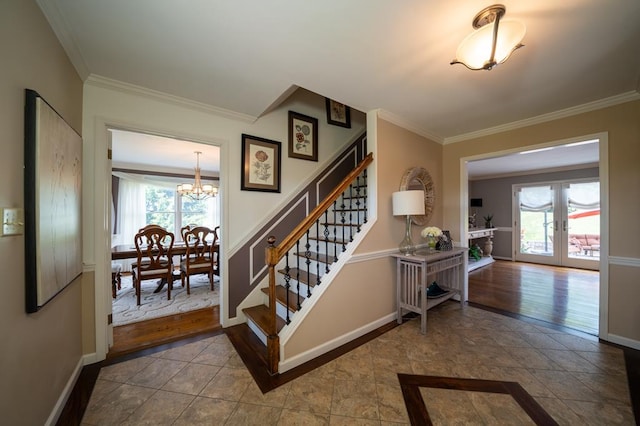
[(313, 353), (256, 330)]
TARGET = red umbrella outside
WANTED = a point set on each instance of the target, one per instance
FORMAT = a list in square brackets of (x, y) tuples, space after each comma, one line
[(584, 214)]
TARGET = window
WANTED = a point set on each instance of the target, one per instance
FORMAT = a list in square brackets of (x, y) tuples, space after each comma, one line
[(167, 209)]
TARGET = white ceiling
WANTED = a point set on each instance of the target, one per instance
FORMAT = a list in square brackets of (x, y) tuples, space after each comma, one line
[(140, 151), (242, 55)]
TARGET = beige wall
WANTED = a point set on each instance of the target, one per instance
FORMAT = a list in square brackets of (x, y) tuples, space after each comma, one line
[(622, 123), (364, 291), (40, 351)]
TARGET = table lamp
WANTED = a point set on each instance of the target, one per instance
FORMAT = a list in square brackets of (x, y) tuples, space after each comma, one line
[(407, 203)]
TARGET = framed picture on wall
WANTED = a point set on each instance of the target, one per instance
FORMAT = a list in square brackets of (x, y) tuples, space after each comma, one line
[(260, 164), (303, 137), (338, 114), (52, 202)]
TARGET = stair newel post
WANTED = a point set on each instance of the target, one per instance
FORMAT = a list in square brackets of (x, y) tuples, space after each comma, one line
[(273, 340)]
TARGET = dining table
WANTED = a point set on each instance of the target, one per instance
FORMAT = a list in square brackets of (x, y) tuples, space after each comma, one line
[(128, 251)]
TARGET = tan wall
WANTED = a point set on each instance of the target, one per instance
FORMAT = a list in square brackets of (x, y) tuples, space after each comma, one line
[(365, 291), (39, 351), (622, 122)]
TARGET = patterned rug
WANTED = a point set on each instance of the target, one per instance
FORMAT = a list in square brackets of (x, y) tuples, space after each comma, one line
[(155, 305)]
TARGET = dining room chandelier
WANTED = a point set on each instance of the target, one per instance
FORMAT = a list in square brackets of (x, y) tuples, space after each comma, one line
[(197, 190), (492, 42)]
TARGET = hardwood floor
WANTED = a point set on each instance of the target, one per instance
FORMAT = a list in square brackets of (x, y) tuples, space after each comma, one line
[(563, 296), (146, 334)]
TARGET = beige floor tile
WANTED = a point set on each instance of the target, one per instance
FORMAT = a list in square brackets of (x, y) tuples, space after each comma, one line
[(302, 418), (560, 412), (564, 385), (250, 414), (499, 409), (570, 361), (612, 389), (273, 398), (444, 405), (215, 354), (598, 413), (183, 353), (163, 408), (355, 399), (206, 412), (156, 374), (351, 421), (192, 378), (607, 362), (540, 340), (103, 388), (531, 358), (228, 383), (117, 406), (123, 371), (391, 403), (310, 394)]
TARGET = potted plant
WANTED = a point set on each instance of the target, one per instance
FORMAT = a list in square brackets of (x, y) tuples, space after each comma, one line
[(487, 221)]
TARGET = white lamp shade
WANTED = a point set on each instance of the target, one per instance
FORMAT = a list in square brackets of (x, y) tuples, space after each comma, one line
[(408, 202), (475, 49)]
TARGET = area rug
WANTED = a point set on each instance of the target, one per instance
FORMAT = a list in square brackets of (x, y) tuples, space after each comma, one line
[(155, 305)]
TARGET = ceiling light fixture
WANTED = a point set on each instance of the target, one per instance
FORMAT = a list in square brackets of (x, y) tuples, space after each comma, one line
[(492, 42), (197, 191)]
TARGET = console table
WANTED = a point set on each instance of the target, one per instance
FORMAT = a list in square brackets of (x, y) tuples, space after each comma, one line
[(487, 247), (415, 273)]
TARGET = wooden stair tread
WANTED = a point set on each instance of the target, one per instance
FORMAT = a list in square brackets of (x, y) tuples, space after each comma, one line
[(293, 272), (260, 316), (281, 297), (330, 241), (320, 257)]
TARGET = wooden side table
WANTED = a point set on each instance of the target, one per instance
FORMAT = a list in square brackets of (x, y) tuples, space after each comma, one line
[(415, 273)]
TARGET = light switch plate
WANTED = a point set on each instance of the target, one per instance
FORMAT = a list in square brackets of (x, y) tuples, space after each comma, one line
[(12, 221)]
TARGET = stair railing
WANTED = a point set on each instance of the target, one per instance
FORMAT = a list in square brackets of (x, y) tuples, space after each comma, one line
[(274, 254)]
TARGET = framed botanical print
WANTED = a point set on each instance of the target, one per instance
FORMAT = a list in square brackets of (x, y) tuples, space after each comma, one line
[(303, 137), (260, 164), (338, 114)]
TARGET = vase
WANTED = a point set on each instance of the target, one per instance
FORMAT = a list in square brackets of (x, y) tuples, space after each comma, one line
[(406, 246), (431, 242)]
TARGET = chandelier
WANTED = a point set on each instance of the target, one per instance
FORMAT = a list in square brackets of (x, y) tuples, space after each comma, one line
[(197, 191), (492, 42)]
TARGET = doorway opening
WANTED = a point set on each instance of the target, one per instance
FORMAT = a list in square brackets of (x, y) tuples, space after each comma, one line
[(145, 172), (578, 169)]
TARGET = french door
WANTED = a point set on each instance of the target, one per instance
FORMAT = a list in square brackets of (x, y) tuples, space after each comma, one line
[(558, 223)]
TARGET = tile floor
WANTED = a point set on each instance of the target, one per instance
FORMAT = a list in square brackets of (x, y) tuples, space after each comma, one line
[(576, 380)]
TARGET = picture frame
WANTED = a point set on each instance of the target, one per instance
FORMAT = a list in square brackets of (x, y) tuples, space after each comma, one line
[(52, 202), (303, 136), (338, 114), (261, 162)]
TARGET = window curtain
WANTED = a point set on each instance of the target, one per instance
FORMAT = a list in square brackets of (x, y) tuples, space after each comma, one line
[(536, 199), (585, 196), (131, 214)]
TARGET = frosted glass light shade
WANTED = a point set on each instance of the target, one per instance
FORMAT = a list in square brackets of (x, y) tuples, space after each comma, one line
[(408, 202), (475, 50)]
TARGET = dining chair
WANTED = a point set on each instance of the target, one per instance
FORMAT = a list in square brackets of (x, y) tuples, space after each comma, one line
[(153, 247), (200, 258)]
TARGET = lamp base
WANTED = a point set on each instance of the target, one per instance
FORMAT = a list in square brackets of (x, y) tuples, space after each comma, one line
[(406, 247)]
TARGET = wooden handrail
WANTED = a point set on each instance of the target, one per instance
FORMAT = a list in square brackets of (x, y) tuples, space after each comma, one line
[(274, 254), (303, 226)]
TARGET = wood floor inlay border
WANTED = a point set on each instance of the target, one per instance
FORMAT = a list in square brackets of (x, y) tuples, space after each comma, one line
[(419, 414)]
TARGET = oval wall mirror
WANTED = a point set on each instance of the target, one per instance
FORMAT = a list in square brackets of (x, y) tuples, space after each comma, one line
[(419, 178)]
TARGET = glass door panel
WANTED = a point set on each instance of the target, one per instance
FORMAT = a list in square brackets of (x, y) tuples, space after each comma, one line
[(582, 225), (535, 220)]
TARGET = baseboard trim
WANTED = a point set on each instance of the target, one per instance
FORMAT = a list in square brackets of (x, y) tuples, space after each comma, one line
[(623, 341), (310, 354), (66, 392)]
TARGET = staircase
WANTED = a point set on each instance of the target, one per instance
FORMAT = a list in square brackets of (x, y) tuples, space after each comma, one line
[(297, 265)]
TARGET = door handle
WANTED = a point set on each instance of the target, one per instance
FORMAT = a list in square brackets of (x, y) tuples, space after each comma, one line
[(555, 226), (564, 225)]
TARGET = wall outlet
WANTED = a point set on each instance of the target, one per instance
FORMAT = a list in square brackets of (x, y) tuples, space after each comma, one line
[(12, 221)]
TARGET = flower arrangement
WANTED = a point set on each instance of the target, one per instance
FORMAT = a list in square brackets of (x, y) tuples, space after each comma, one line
[(431, 231)]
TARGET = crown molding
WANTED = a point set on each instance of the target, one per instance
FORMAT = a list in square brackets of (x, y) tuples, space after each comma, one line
[(568, 112), (61, 29), (406, 124), (132, 89)]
